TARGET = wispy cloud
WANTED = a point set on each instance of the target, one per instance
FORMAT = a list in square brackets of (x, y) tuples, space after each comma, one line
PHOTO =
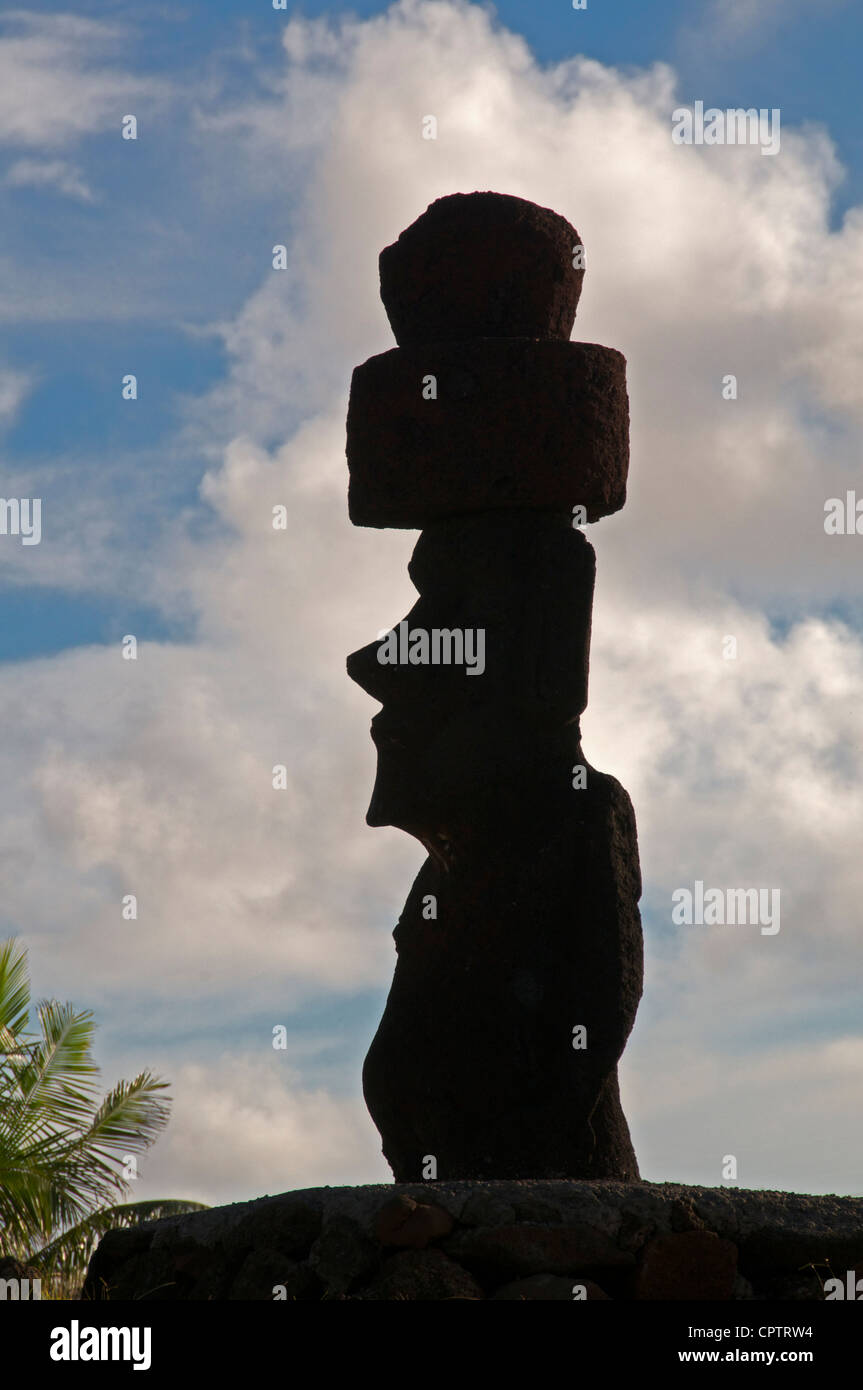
[(14, 387), (746, 23), (57, 82), (51, 173)]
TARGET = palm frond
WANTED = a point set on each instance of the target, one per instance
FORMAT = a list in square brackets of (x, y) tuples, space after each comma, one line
[(60, 1075), (61, 1148), (130, 1118), (14, 991)]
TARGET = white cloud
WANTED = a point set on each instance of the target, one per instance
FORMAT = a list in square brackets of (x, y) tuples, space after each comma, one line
[(155, 779), (245, 1126), (787, 1113), (55, 85)]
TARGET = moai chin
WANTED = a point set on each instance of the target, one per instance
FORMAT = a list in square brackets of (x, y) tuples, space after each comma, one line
[(519, 949)]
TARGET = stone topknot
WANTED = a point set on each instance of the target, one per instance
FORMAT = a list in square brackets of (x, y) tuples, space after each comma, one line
[(482, 265)]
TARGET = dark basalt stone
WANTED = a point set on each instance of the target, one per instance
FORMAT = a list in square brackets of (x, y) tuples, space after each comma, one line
[(692, 1265), (624, 1237), (516, 423), (519, 950), (478, 265), (458, 751), (536, 930)]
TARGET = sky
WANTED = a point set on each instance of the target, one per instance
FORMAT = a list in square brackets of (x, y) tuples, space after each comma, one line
[(259, 907)]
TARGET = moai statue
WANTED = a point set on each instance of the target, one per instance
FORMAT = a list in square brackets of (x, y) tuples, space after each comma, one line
[(519, 949)]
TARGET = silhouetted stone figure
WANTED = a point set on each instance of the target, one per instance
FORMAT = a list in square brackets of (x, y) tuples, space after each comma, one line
[(519, 948)]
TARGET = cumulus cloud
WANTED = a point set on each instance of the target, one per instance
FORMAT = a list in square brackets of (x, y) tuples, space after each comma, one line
[(154, 777), (785, 1113), (249, 1125)]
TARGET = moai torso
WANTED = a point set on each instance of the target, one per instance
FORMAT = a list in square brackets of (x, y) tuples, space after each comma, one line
[(519, 948)]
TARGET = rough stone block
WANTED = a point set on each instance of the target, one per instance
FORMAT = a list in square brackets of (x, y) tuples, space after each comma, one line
[(482, 265), (516, 423), (342, 1255), (689, 1265), (206, 1254), (507, 1251), (265, 1270), (422, 1275), (411, 1224)]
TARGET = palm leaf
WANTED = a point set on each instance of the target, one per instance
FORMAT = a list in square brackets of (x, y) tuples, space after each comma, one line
[(14, 991), (61, 1150), (52, 1078)]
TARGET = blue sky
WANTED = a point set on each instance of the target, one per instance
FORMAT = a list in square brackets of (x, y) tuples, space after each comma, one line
[(152, 257)]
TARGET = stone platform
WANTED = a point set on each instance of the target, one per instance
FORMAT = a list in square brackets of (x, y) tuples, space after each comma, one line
[(531, 1240)]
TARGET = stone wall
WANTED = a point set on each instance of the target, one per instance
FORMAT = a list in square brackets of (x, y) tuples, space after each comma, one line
[(491, 1240)]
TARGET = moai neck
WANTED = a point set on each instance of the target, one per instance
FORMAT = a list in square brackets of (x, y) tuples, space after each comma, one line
[(490, 430)]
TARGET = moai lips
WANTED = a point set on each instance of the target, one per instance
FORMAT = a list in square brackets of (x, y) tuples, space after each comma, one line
[(519, 950)]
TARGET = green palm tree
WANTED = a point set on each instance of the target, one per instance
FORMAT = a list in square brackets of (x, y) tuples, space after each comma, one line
[(62, 1149)]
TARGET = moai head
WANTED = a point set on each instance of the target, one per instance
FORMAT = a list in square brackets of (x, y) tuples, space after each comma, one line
[(483, 681), (486, 427)]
